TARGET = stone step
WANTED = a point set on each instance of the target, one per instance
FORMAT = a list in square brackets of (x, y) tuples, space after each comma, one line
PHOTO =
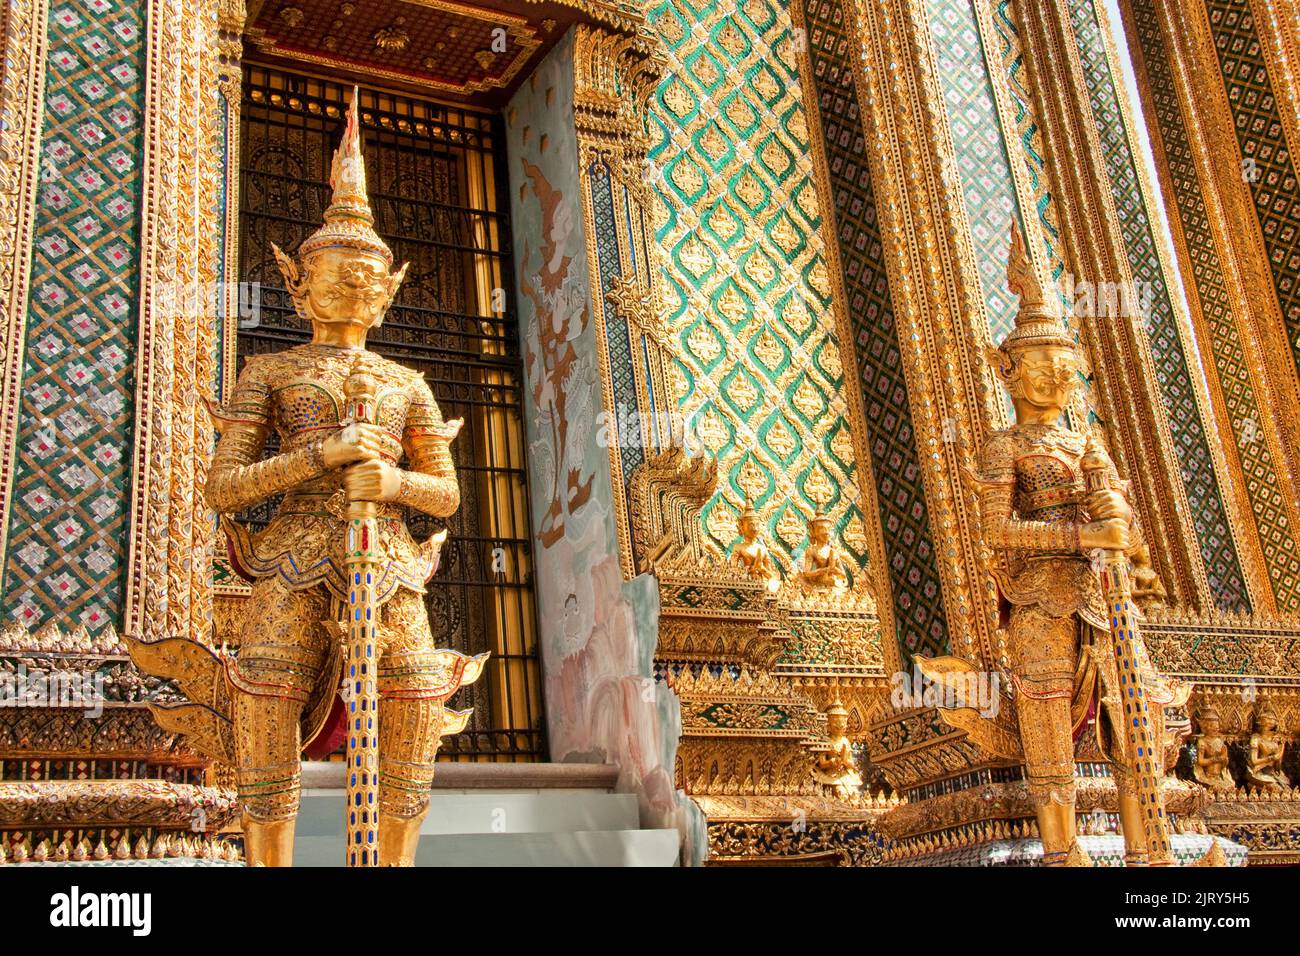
[(487, 811), (485, 814), (577, 848), (329, 774)]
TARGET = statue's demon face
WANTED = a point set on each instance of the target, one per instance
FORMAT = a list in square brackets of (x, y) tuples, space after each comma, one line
[(347, 286), (1044, 377)]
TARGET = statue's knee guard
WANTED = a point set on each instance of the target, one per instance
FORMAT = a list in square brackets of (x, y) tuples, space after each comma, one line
[(288, 671), (267, 745), (409, 734), (269, 794), (1047, 740)]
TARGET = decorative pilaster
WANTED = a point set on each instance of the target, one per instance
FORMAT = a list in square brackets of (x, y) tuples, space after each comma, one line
[(937, 302), (168, 585), (1229, 182), (614, 77), (230, 48)]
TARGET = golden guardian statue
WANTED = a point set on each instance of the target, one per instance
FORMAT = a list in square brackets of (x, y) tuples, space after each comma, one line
[(1057, 518), (335, 646)]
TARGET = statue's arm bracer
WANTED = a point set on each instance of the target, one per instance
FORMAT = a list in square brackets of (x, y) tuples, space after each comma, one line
[(237, 479), (429, 485), (997, 503)]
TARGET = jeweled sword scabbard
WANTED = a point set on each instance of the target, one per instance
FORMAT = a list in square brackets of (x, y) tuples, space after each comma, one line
[(1144, 754), (363, 558)]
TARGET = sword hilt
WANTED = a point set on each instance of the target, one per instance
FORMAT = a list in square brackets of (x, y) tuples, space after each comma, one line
[(359, 394)]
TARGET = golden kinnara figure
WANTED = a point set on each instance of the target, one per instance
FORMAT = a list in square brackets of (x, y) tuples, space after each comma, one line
[(259, 707), (751, 553), (1055, 513), (835, 768), (1211, 767), (822, 566), (1265, 751)]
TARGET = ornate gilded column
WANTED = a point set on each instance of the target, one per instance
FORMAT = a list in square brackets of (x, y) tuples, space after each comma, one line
[(1093, 247), (229, 79), (937, 303), (168, 588), (614, 76), (1219, 93), (22, 94)]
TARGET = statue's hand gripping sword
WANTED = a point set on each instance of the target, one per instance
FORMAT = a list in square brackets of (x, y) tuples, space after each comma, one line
[(1144, 754)]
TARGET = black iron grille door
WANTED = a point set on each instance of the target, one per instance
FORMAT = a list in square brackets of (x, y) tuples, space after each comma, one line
[(436, 179)]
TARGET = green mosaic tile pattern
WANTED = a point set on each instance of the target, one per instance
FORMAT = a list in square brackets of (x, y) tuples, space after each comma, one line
[(748, 296), (67, 533)]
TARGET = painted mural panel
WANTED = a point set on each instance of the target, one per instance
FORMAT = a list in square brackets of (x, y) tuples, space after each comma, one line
[(598, 631)]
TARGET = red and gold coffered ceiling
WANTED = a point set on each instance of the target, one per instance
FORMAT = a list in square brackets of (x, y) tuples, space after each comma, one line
[(466, 51)]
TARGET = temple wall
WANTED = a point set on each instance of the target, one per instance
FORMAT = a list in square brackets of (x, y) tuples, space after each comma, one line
[(804, 277), (598, 631)]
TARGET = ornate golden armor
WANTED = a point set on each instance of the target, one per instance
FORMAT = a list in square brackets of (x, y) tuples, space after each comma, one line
[(299, 394)]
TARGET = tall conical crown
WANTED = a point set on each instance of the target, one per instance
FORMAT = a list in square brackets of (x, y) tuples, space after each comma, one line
[(349, 223), (1038, 321)]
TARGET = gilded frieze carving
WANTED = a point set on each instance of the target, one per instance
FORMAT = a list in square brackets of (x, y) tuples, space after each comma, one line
[(117, 844)]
